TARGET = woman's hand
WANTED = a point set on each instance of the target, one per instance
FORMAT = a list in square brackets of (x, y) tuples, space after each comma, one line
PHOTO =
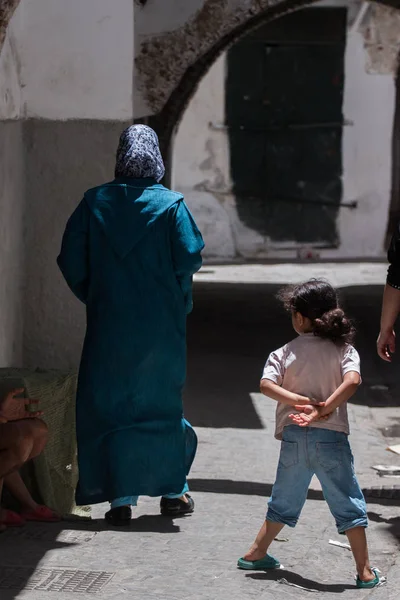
[(386, 344), (13, 408), (308, 414)]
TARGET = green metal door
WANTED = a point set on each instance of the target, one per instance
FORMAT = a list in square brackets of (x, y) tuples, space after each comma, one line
[(284, 116)]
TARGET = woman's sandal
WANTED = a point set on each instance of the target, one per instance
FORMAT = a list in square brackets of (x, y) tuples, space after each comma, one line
[(378, 580), (10, 518), (175, 507), (265, 563), (42, 514)]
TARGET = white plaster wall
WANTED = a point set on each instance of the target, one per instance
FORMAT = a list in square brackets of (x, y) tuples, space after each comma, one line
[(10, 84), (76, 58), (201, 171), (369, 102), (201, 164), (201, 152)]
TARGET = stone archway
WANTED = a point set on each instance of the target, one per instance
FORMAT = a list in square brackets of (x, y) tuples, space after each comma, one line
[(170, 66)]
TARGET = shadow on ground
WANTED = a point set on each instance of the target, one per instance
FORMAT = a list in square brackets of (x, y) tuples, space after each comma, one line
[(293, 579), (256, 488), (22, 549), (233, 329), (393, 522)]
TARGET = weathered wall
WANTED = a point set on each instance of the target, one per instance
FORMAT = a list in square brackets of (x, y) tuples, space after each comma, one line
[(76, 59), (369, 103), (10, 80), (174, 41), (12, 179), (201, 153), (7, 8), (381, 39), (201, 171), (12, 198), (65, 159), (71, 65)]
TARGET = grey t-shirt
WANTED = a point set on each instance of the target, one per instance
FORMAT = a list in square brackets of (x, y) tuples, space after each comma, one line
[(312, 367)]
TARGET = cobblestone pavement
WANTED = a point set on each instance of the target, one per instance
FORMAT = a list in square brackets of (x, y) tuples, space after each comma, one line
[(195, 556)]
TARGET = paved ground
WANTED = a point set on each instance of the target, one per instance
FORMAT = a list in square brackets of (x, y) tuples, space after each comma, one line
[(232, 330)]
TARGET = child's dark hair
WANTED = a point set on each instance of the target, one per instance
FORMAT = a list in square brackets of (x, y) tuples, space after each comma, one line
[(318, 300)]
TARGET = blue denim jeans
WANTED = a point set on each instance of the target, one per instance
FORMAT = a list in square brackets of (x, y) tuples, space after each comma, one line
[(306, 451), (132, 500)]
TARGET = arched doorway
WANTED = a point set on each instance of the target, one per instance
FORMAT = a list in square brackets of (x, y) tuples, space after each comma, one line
[(179, 61), (285, 146)]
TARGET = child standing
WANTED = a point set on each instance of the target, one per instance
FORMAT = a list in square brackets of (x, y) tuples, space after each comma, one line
[(315, 375)]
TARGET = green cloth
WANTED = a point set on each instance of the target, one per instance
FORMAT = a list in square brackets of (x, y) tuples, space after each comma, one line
[(54, 474)]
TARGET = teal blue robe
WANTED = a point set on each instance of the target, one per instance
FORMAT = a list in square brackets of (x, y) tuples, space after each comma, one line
[(129, 252)]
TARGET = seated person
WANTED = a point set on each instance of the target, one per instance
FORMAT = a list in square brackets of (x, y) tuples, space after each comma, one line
[(23, 436)]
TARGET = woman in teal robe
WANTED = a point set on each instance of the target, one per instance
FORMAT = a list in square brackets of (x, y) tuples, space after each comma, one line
[(128, 253)]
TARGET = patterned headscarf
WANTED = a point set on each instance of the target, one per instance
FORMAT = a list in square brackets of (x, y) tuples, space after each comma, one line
[(138, 154)]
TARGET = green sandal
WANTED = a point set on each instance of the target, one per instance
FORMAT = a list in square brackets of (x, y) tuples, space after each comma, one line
[(268, 562), (378, 580)]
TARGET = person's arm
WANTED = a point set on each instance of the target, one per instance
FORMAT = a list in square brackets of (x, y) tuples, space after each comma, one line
[(386, 343), (276, 392), (309, 414), (73, 258), (351, 379), (343, 393), (272, 381), (186, 246)]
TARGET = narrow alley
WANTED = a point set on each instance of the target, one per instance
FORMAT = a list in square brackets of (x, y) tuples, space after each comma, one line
[(270, 130), (231, 331)]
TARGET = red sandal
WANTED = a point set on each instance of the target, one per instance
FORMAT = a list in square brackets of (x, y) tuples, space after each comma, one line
[(10, 518), (42, 514)]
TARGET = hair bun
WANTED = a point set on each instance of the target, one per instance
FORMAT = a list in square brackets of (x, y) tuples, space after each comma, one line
[(335, 326)]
